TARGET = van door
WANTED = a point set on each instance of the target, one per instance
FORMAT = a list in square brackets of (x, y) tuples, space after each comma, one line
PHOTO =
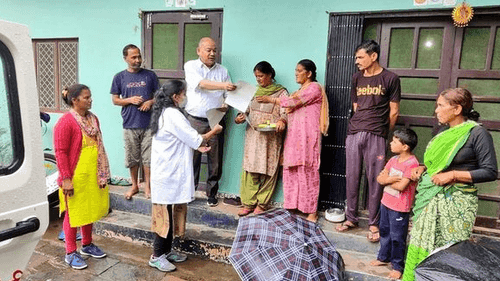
[(24, 213)]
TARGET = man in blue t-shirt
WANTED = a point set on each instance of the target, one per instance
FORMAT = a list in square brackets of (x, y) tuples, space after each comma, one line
[(133, 89)]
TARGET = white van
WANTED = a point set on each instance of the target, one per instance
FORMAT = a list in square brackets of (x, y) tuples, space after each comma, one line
[(24, 212)]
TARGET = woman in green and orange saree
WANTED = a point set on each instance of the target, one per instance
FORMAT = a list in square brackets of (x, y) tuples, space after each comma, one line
[(455, 159)]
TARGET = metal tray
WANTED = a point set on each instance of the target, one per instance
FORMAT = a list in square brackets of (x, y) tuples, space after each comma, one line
[(266, 129)]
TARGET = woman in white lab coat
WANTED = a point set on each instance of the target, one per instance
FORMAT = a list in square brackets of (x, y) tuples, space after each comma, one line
[(172, 180)]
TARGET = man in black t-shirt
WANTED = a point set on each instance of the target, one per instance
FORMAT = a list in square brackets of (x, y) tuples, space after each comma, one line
[(375, 95)]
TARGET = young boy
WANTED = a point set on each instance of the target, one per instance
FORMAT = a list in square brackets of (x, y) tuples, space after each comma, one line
[(399, 192)]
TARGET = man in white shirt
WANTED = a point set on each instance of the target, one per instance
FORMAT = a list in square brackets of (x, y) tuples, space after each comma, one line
[(207, 82)]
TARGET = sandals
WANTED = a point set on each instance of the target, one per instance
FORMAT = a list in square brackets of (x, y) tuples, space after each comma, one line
[(346, 226), (115, 180), (245, 211), (259, 210), (373, 236)]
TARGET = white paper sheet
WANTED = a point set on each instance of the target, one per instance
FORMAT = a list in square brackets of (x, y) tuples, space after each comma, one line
[(214, 116), (241, 97)]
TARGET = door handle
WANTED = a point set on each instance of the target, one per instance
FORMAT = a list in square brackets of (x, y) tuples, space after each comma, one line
[(21, 228)]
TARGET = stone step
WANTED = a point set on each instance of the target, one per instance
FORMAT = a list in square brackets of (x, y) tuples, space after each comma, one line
[(215, 242), (225, 217), (201, 240)]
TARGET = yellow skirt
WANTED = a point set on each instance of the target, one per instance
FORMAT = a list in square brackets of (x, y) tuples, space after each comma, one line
[(89, 203)]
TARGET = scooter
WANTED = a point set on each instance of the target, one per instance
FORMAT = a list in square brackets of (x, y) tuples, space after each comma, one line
[(50, 165)]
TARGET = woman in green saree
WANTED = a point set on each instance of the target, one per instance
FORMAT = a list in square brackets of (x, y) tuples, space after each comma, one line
[(455, 159)]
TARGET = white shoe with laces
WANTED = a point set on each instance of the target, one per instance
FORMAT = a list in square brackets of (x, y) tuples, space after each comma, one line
[(161, 263), (175, 256)]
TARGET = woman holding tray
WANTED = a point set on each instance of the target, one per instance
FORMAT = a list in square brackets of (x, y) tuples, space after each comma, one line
[(262, 149)]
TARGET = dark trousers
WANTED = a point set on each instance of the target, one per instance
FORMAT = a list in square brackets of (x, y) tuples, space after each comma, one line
[(367, 148), (164, 245), (214, 156), (393, 233)]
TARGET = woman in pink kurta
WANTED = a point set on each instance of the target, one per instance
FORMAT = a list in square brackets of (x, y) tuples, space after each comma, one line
[(307, 111)]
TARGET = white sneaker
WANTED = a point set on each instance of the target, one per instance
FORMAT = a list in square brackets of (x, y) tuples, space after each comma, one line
[(161, 263), (175, 256)]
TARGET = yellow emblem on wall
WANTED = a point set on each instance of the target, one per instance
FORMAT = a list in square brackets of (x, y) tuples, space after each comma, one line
[(462, 14)]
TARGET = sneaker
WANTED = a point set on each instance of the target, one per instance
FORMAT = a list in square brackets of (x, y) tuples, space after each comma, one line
[(62, 237), (92, 250), (232, 201), (75, 260), (175, 256), (161, 263), (212, 202)]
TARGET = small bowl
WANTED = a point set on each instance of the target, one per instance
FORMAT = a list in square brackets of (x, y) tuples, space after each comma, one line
[(335, 215)]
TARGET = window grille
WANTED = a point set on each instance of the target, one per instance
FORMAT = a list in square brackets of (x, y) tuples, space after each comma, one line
[(56, 62), (46, 74), (68, 65)]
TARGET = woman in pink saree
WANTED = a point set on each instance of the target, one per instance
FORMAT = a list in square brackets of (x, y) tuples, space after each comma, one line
[(307, 111)]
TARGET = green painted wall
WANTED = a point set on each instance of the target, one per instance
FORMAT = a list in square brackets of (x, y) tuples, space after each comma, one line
[(281, 32)]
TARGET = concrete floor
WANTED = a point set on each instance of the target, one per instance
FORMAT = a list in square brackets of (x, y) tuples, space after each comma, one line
[(128, 260), (125, 261)]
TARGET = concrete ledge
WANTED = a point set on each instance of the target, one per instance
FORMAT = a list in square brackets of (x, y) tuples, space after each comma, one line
[(352, 240), (138, 204), (224, 217), (216, 244), (125, 226), (211, 230), (201, 240)]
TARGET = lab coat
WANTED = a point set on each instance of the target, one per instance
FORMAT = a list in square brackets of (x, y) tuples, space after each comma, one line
[(172, 179)]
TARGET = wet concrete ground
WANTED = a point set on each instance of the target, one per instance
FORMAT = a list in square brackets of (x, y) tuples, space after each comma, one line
[(128, 259), (124, 261)]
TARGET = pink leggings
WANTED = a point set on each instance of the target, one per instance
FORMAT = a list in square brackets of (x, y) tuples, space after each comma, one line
[(70, 234)]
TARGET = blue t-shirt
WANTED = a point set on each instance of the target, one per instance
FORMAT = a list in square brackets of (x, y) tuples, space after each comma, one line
[(126, 84)]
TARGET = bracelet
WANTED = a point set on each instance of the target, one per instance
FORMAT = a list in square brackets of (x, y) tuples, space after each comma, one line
[(454, 176)]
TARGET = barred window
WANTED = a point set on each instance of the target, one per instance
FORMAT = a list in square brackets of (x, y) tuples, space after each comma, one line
[(56, 63)]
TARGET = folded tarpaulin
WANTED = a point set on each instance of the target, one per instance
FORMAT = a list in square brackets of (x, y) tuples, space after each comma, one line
[(466, 260)]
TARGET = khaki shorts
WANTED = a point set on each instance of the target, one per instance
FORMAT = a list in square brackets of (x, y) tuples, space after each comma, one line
[(137, 147)]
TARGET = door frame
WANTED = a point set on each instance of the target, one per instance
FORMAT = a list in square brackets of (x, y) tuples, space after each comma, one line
[(405, 18), (181, 17)]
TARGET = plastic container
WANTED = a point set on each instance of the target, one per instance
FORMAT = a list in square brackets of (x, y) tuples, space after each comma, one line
[(335, 215)]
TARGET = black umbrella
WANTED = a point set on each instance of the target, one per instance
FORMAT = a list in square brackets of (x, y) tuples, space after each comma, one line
[(279, 246), (465, 260)]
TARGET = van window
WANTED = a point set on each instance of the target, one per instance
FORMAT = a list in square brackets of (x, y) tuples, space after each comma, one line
[(11, 142)]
